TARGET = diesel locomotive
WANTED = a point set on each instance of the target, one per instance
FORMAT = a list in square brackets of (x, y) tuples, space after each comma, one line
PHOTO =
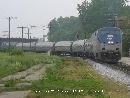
[(107, 44)]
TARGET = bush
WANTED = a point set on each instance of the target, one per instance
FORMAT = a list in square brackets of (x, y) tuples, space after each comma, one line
[(5, 49), (16, 51), (12, 50)]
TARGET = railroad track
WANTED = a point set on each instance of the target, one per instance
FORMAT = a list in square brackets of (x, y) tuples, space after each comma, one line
[(119, 65), (114, 71)]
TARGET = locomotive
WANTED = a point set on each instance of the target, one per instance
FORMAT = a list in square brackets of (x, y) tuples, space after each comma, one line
[(105, 44)]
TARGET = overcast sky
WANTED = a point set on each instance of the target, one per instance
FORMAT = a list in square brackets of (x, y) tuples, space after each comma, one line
[(34, 12)]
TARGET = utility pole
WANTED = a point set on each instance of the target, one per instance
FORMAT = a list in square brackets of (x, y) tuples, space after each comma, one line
[(29, 37), (22, 34), (9, 34), (9, 19), (30, 42), (28, 32)]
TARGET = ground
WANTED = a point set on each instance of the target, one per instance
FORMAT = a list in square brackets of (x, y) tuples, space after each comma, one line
[(42, 73)]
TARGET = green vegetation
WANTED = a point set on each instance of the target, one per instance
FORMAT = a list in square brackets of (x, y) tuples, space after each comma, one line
[(64, 29), (126, 43), (71, 73), (97, 14), (92, 16), (12, 50), (16, 51), (10, 83), (16, 63), (68, 74)]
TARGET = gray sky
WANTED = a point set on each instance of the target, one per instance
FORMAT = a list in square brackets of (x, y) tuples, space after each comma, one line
[(34, 12)]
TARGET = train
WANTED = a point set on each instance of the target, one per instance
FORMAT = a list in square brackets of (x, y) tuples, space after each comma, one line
[(105, 44)]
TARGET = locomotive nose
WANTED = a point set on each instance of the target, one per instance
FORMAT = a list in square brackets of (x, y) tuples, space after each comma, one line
[(110, 42), (110, 47)]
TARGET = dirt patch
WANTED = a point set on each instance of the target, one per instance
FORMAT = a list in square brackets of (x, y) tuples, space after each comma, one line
[(37, 75), (88, 97), (22, 74), (15, 94), (2, 85), (34, 73)]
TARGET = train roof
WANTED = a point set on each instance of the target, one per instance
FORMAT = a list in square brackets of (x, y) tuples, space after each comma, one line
[(25, 44), (79, 42), (44, 44), (109, 28), (63, 43)]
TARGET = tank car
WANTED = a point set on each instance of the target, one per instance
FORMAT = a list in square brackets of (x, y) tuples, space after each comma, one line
[(78, 48), (44, 46), (27, 46), (62, 48), (107, 44), (4, 45), (88, 49)]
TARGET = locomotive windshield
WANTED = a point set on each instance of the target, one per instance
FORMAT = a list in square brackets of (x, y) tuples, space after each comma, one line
[(109, 36)]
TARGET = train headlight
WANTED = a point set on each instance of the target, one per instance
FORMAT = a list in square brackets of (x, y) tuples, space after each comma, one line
[(112, 42), (109, 42)]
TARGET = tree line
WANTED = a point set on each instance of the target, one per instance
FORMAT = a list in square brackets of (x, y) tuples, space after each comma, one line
[(92, 16), (64, 28)]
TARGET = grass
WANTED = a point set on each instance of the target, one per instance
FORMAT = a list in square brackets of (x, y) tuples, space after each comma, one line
[(10, 83), (68, 74), (72, 73), (13, 64)]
